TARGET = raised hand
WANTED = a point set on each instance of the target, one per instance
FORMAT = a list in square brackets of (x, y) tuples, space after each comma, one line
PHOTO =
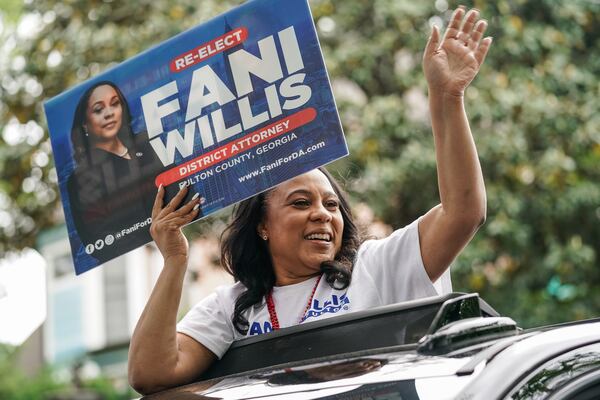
[(167, 223), (452, 63)]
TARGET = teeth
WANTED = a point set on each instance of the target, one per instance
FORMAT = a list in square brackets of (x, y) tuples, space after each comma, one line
[(319, 236)]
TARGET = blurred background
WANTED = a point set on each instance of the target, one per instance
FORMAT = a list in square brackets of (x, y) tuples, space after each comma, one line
[(534, 112)]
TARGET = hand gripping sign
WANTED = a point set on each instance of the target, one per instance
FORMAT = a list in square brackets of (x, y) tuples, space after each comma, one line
[(230, 108)]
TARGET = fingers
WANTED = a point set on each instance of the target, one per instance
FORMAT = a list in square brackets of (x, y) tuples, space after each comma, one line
[(158, 201), (169, 211), (482, 50), (176, 219), (189, 206), (467, 27), (477, 34), (454, 26), (175, 223), (175, 201), (469, 30), (434, 41)]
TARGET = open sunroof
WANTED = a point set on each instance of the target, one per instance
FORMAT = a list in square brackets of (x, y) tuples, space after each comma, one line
[(382, 327)]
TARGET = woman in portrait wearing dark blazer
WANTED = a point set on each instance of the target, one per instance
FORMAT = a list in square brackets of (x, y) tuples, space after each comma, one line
[(112, 189)]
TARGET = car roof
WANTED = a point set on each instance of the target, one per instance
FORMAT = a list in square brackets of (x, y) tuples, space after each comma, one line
[(368, 372), (389, 329), (380, 350)]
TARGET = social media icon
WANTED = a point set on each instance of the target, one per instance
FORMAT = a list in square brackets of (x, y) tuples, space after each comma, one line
[(89, 249), (109, 239), (99, 244)]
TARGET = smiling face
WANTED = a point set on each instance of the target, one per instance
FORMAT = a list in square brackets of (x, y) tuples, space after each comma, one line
[(103, 114), (304, 226)]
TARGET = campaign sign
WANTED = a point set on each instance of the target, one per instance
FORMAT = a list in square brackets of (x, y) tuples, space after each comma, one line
[(230, 108)]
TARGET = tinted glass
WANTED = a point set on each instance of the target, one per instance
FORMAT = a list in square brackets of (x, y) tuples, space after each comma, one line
[(559, 371), (589, 393), (455, 310), (392, 329)]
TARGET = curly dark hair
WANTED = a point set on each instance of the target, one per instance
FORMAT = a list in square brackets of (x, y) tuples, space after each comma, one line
[(246, 256), (82, 144)]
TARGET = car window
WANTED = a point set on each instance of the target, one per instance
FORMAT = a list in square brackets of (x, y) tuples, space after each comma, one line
[(587, 393), (558, 372)]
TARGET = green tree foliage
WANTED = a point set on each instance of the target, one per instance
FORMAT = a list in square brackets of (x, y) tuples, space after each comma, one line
[(14, 385), (533, 108), (534, 114)]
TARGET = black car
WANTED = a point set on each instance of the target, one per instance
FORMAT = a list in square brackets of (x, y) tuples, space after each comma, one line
[(449, 347)]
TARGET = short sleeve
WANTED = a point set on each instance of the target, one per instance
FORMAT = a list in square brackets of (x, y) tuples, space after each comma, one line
[(395, 267), (208, 323)]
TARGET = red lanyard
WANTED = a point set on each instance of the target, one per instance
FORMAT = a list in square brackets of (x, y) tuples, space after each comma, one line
[(273, 313)]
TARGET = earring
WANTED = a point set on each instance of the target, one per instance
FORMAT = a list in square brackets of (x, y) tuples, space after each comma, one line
[(85, 130), (264, 236)]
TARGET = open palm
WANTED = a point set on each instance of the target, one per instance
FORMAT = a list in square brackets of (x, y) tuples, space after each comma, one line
[(168, 220), (452, 63)]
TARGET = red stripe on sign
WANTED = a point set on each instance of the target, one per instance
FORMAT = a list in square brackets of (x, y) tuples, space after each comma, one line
[(209, 49), (236, 147)]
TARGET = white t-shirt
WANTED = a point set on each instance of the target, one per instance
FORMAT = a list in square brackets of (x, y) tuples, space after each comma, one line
[(386, 271)]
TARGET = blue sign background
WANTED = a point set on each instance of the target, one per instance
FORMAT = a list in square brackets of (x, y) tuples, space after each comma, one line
[(150, 70)]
